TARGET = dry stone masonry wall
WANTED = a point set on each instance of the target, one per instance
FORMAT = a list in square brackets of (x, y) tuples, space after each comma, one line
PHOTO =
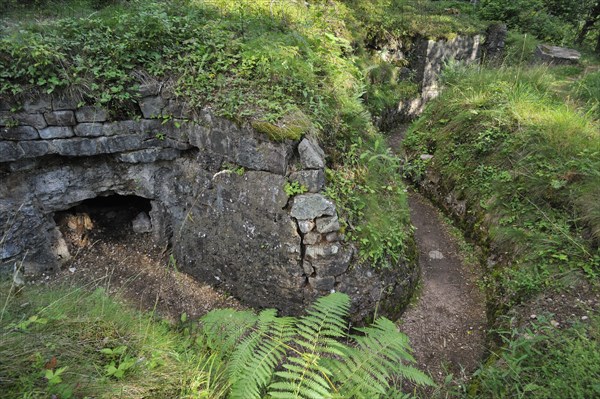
[(427, 60), (217, 195)]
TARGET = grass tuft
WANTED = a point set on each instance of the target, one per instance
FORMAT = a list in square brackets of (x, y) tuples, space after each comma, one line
[(69, 342)]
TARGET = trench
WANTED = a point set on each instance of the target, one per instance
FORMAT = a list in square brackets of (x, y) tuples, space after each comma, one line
[(446, 322)]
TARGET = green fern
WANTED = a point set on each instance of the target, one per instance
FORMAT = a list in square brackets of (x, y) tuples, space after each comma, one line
[(310, 357)]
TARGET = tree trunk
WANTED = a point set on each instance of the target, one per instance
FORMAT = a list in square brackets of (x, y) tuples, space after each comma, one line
[(589, 23)]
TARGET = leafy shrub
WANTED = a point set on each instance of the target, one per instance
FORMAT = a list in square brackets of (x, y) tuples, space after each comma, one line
[(520, 48), (308, 357), (530, 16), (372, 202)]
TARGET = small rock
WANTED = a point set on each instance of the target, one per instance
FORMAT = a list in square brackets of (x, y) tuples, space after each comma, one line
[(328, 224), (533, 316), (436, 255), (313, 180), (311, 206), (426, 157), (90, 114), (584, 318), (142, 223), (306, 225), (322, 283), (554, 323), (311, 155), (311, 238)]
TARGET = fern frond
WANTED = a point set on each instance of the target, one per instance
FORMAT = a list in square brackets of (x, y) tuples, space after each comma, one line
[(258, 355), (324, 322), (245, 349), (223, 328), (379, 353)]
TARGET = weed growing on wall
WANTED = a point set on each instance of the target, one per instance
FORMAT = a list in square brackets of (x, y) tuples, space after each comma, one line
[(372, 200)]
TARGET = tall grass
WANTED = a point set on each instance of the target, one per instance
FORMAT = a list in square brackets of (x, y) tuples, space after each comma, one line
[(543, 362), (529, 160), (63, 342)]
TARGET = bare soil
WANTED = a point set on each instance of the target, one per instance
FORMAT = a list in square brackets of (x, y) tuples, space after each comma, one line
[(446, 323)]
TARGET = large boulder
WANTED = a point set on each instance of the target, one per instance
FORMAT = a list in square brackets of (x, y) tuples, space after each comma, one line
[(554, 55)]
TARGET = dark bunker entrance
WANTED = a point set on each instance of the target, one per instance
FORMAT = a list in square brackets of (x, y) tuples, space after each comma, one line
[(109, 218)]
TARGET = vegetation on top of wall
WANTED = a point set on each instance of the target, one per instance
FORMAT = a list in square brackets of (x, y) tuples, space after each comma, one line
[(245, 59), (389, 23), (507, 142)]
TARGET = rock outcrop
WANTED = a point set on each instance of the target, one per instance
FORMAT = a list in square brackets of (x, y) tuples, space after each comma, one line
[(555, 55), (217, 198)]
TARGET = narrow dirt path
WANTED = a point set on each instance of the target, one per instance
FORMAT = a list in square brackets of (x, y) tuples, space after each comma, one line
[(446, 324)]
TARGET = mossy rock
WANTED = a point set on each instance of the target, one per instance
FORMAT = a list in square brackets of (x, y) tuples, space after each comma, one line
[(291, 127)]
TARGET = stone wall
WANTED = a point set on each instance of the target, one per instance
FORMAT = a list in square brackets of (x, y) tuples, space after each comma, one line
[(217, 195), (427, 59)]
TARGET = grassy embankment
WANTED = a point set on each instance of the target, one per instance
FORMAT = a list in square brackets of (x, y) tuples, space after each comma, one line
[(521, 144)]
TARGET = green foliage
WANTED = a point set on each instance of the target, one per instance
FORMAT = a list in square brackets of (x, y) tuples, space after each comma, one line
[(293, 188), (372, 202), (238, 170), (75, 343), (308, 357), (281, 63), (292, 127), (526, 162), (519, 48), (384, 87), (530, 16), (542, 361), (381, 24), (587, 89)]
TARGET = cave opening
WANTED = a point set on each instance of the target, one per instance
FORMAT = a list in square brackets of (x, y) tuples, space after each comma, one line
[(109, 217)]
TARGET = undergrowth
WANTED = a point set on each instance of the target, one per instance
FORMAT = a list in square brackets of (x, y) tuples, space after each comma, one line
[(541, 361), (312, 356), (372, 202), (70, 342), (73, 343)]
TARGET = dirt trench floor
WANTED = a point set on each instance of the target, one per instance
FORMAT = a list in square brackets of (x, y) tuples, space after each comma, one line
[(447, 322)]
